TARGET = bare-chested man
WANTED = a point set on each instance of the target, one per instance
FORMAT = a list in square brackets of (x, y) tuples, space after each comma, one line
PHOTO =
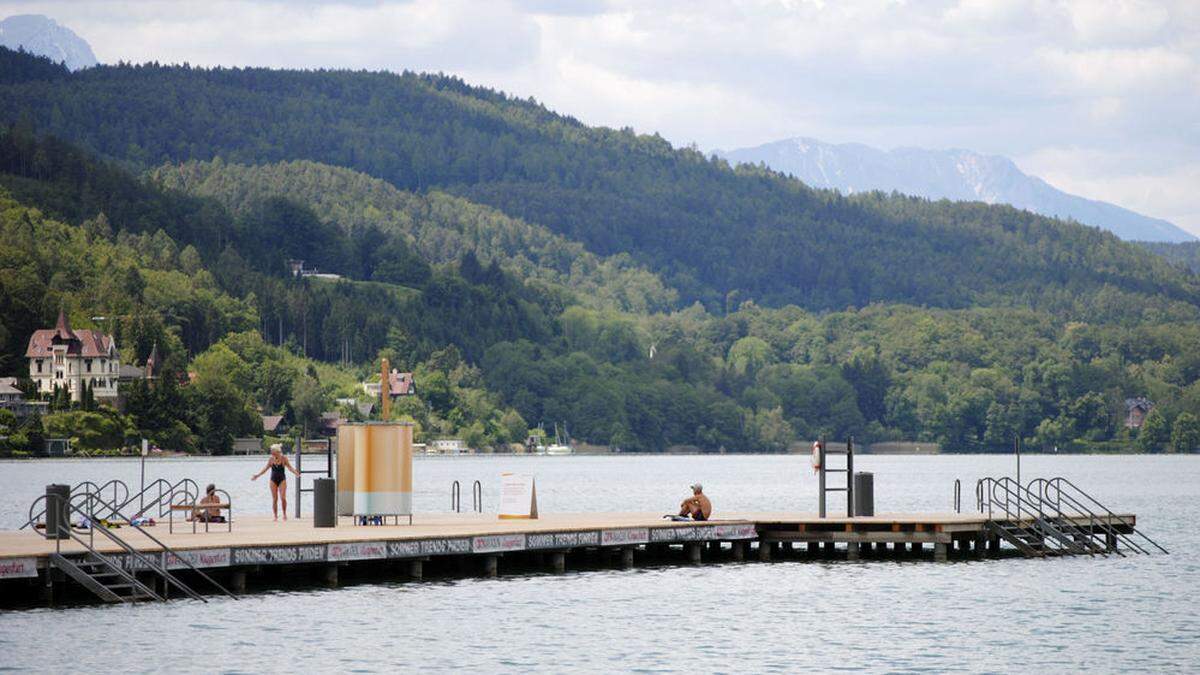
[(698, 506)]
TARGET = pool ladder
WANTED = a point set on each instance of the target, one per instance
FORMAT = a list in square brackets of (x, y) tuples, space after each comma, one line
[(476, 497), (1031, 519), (110, 579)]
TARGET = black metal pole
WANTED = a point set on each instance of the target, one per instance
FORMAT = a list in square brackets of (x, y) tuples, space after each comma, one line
[(821, 474), (850, 477)]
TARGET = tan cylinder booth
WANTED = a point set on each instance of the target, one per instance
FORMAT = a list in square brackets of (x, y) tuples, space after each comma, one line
[(374, 469)]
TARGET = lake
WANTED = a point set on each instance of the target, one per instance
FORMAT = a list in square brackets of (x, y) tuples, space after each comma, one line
[(1070, 614)]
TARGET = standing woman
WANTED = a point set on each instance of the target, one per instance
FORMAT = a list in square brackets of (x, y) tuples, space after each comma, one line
[(277, 463)]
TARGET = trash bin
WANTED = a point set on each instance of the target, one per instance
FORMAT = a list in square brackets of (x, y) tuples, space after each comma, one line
[(324, 502), (57, 513), (864, 493)]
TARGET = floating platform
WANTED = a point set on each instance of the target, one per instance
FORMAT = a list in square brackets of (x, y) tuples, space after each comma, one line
[(259, 551)]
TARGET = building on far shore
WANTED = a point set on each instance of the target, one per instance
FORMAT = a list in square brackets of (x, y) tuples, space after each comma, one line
[(1136, 410), (60, 358), (12, 398)]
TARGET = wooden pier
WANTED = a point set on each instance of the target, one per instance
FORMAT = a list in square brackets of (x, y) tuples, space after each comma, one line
[(260, 552)]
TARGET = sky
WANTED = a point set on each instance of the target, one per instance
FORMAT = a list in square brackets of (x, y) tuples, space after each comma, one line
[(1099, 97)]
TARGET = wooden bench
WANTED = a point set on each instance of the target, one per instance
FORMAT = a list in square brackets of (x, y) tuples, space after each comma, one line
[(194, 509)]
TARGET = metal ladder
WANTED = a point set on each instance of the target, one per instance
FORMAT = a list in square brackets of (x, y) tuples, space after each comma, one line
[(83, 488), (326, 472), (1032, 525), (848, 470), (1057, 491), (106, 577), (476, 497)]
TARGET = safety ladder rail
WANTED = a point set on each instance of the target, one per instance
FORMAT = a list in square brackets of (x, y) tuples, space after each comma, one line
[(824, 452), (165, 497), (1054, 486), (1062, 526), (327, 472), (456, 497), (1029, 506), (89, 545), (477, 497), (77, 490), (161, 569), (1094, 522)]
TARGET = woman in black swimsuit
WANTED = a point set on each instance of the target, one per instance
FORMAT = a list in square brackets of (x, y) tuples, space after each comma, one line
[(277, 464)]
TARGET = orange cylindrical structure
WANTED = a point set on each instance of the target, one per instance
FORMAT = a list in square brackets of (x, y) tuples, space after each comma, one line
[(375, 469)]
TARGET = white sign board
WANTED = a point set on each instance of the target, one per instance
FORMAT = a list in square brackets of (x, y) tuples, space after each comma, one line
[(518, 496), (14, 568)]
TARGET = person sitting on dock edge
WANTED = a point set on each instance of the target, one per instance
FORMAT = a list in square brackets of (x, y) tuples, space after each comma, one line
[(698, 506)]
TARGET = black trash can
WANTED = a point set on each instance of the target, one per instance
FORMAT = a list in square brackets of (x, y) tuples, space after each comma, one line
[(57, 513), (864, 493), (324, 501)]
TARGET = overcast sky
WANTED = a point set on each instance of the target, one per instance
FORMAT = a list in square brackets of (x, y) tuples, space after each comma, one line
[(1101, 98)]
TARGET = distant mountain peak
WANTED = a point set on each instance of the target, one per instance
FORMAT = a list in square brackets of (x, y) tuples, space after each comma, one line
[(956, 174), (44, 36)]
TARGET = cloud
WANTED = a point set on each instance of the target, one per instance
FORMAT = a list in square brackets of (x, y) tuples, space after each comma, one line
[(1023, 78)]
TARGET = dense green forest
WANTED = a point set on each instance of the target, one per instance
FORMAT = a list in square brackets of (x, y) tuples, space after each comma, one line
[(1184, 254), (530, 269), (708, 230)]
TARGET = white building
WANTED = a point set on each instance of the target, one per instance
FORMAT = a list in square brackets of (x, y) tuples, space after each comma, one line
[(60, 357), (448, 446)]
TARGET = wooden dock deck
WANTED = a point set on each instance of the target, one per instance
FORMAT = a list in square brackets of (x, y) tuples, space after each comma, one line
[(545, 543)]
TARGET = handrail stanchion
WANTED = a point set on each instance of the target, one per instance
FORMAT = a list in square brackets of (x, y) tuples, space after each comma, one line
[(456, 497), (477, 497)]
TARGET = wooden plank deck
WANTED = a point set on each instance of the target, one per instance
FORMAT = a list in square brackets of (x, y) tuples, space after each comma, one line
[(262, 531)]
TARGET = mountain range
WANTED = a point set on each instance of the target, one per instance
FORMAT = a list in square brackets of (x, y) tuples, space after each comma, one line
[(44, 36), (960, 175)]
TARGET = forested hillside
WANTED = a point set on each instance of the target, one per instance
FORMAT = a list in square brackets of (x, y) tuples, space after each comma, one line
[(533, 270), (709, 231), (441, 227), (1185, 254)]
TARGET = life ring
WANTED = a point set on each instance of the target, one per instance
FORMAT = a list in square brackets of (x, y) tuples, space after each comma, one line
[(816, 456)]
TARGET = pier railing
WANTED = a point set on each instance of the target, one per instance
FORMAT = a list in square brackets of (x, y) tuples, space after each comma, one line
[(1059, 491), (1028, 520), (80, 491), (159, 567)]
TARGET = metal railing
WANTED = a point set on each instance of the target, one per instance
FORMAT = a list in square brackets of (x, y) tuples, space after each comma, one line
[(1020, 504), (476, 497), (78, 490), (164, 497), (160, 568), (1059, 490), (957, 496)]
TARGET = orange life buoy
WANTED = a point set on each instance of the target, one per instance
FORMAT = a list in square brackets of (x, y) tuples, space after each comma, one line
[(816, 456)]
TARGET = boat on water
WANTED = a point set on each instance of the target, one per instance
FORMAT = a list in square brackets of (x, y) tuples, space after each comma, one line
[(561, 444)]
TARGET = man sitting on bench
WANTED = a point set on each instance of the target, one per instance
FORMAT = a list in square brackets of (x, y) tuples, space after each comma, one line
[(208, 515), (698, 506)]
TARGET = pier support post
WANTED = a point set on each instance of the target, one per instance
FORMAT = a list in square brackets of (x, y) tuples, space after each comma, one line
[(694, 552), (898, 549), (627, 558), (558, 562), (813, 549), (1110, 541), (491, 566), (331, 576), (829, 549), (237, 581), (980, 545), (940, 552), (993, 546), (918, 548), (739, 550), (416, 569), (853, 551), (764, 550)]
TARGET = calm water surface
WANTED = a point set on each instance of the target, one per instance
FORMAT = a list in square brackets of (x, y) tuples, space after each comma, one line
[(1066, 615)]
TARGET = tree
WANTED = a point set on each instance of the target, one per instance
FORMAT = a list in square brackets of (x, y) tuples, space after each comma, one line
[(514, 426), (308, 402), (1155, 432), (1185, 433)]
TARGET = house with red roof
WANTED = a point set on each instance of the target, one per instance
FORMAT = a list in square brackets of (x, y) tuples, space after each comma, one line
[(61, 357)]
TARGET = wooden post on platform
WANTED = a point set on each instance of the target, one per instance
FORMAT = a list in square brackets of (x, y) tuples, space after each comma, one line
[(416, 569), (491, 566), (385, 390), (764, 550), (694, 552), (558, 561), (331, 575), (627, 557)]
